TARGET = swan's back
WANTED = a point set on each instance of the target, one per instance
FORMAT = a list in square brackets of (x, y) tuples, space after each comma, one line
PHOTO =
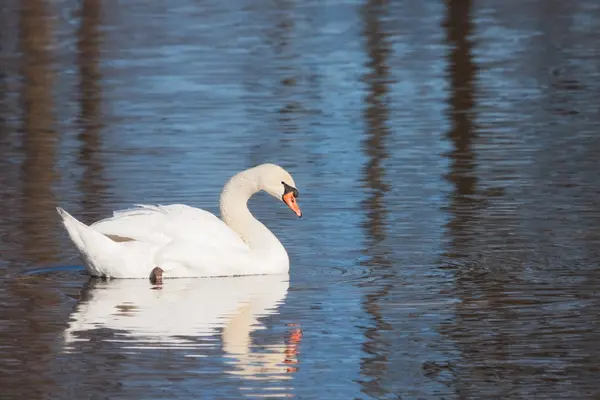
[(162, 224)]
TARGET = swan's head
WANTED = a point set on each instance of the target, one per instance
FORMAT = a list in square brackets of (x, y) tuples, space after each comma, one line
[(279, 183)]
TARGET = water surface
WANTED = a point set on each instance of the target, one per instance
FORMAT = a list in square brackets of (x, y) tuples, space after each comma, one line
[(447, 158)]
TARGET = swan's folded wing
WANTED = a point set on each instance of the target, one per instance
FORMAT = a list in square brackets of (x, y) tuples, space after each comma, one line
[(162, 224), (183, 258)]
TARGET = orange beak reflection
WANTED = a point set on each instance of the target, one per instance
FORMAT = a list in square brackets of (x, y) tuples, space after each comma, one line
[(291, 202)]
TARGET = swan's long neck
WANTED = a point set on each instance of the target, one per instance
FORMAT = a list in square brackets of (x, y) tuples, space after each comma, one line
[(235, 213)]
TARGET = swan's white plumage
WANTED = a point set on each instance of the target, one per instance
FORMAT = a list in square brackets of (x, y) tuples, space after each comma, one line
[(162, 224), (185, 241)]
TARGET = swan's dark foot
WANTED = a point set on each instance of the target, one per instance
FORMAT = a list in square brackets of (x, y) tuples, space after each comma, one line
[(156, 276)]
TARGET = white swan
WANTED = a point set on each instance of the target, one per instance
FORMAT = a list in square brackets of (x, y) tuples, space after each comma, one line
[(180, 241)]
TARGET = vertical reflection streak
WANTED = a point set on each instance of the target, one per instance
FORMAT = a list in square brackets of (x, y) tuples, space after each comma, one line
[(9, 175), (35, 34), (32, 325), (92, 185), (375, 364), (284, 53), (461, 72)]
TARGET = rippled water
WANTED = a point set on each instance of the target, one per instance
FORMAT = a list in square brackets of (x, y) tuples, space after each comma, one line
[(447, 156)]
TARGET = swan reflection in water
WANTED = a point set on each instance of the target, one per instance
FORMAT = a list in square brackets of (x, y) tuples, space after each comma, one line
[(186, 314)]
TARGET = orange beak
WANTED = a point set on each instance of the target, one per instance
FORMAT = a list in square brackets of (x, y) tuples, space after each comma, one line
[(290, 200)]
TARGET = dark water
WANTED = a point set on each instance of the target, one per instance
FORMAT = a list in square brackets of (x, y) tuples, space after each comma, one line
[(447, 155)]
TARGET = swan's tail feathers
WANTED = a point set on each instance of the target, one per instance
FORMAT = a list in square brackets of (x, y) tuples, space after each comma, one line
[(72, 225), (92, 245)]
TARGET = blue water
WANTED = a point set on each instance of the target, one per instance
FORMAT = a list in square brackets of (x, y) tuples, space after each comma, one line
[(446, 156)]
